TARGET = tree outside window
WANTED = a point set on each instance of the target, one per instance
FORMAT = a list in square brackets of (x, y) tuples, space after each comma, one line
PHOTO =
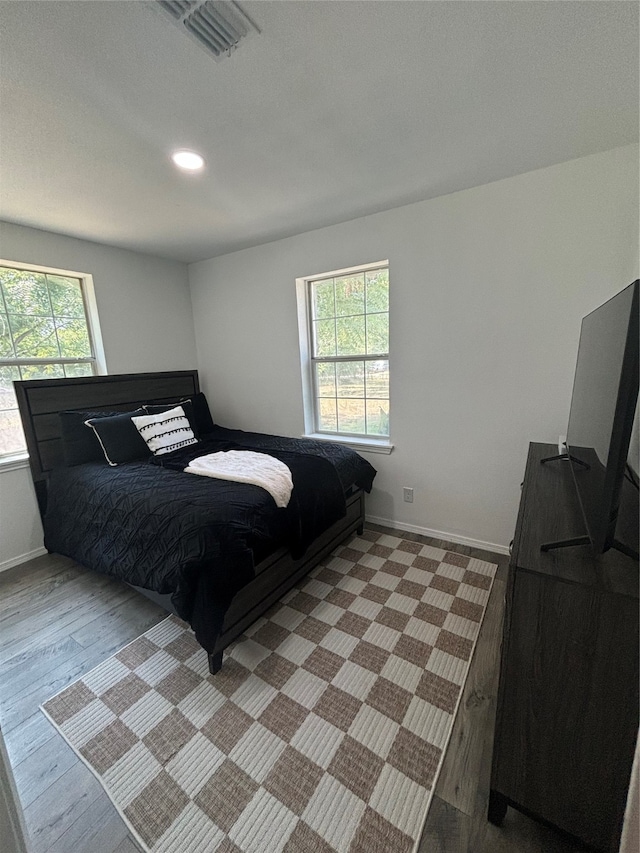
[(349, 347), (44, 334)]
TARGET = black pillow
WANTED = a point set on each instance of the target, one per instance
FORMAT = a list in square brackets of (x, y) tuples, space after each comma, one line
[(202, 413), (189, 408), (79, 443), (119, 438)]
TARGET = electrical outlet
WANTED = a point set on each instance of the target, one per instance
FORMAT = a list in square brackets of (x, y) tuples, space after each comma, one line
[(562, 444), (407, 494)]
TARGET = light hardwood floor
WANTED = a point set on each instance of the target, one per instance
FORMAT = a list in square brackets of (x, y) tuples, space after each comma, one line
[(57, 621)]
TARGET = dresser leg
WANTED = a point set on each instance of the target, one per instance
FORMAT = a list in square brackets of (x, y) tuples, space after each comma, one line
[(497, 808)]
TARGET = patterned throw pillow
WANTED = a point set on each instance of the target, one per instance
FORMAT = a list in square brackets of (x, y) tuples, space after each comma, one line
[(187, 407), (165, 431)]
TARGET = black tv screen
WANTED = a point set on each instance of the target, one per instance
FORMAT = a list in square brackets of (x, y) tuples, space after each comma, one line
[(603, 405)]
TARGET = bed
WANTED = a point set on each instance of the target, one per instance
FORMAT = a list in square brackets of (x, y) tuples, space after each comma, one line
[(217, 553)]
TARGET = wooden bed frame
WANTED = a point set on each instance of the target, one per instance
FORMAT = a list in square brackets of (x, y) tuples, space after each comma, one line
[(40, 401)]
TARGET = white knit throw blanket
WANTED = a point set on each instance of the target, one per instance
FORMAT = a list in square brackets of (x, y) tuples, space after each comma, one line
[(245, 466)]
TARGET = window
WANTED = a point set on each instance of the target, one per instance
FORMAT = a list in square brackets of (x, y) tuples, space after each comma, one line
[(48, 329), (344, 341)]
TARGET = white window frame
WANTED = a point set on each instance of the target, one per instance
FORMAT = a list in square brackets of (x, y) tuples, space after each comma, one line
[(9, 461), (303, 289)]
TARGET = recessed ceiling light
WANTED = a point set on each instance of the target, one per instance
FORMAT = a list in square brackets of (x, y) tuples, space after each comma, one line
[(188, 160)]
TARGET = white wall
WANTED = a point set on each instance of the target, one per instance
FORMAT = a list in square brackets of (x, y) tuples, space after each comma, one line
[(147, 324), (488, 287)]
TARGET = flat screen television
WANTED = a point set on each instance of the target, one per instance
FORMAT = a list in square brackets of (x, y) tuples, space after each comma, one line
[(601, 418)]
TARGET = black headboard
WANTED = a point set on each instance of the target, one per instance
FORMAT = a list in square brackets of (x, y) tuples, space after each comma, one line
[(40, 400)]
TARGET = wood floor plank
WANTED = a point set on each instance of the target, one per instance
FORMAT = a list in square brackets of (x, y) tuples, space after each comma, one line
[(48, 608), (127, 846), (458, 781), (135, 614), (447, 829), (43, 586), (64, 622), (46, 566), (100, 829), (43, 768), (27, 667), (27, 737), (60, 806), (43, 589)]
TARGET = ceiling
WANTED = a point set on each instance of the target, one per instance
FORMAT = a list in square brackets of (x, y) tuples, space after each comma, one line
[(336, 110)]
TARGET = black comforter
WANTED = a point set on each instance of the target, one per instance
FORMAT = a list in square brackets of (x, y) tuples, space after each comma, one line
[(197, 538)]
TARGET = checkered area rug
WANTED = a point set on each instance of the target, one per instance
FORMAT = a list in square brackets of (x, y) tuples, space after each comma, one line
[(323, 732)]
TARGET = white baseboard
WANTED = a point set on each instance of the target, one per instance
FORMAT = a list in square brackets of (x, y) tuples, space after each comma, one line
[(439, 534), (22, 558), (383, 522)]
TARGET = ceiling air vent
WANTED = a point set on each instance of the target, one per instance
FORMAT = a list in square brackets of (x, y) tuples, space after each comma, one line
[(217, 25)]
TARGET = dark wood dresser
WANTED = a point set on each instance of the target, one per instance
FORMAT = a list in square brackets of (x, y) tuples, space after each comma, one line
[(568, 698)]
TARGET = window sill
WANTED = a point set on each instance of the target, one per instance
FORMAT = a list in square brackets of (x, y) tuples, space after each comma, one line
[(14, 462), (367, 445)]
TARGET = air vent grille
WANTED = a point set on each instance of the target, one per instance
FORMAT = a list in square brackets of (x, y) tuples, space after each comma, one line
[(217, 25), (177, 8)]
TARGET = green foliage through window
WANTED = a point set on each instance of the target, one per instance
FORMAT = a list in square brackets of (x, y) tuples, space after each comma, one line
[(350, 352), (44, 334)]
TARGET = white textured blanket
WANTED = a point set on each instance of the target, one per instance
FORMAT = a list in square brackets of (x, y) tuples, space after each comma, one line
[(245, 466)]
